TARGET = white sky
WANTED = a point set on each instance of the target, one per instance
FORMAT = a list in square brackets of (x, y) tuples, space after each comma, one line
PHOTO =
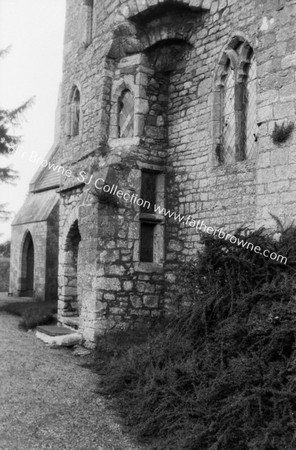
[(35, 30)]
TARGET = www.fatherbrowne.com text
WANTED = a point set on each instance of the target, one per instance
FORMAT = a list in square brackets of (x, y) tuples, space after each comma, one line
[(199, 225)]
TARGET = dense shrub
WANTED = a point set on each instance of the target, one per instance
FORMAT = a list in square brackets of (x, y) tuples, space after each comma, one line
[(32, 313), (221, 375), (5, 249), (4, 274)]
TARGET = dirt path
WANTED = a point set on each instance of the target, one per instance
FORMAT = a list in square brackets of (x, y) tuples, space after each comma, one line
[(48, 400)]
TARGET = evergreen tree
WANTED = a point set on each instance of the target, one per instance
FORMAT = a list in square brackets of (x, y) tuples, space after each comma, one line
[(5, 249), (9, 141)]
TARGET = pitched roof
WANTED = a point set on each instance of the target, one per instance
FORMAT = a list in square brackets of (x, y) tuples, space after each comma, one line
[(45, 178), (37, 207)]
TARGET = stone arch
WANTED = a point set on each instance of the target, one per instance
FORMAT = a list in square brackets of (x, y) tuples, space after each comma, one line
[(237, 50), (166, 54), (71, 218), (71, 307), (132, 35), (141, 6), (27, 266), (73, 113), (166, 33), (119, 87), (246, 54), (133, 43)]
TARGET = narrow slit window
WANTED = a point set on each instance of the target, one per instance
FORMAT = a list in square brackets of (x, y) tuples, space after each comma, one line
[(250, 114), (151, 225), (148, 191), (88, 7), (228, 125), (75, 112), (126, 106), (147, 242)]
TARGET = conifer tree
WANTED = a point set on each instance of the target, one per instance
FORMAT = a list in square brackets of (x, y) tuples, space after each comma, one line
[(9, 118)]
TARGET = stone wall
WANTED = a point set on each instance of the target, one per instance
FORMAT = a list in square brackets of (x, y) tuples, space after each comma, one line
[(45, 240), (168, 54), (276, 166), (52, 246), (38, 232)]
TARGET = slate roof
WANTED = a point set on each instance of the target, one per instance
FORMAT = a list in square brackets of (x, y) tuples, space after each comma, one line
[(46, 178), (37, 207)]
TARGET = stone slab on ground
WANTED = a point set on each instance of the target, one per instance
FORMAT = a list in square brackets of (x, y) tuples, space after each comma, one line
[(54, 330), (64, 340)]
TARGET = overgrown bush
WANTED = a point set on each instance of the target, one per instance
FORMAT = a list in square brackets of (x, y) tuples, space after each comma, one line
[(4, 274), (5, 249), (222, 375), (32, 314)]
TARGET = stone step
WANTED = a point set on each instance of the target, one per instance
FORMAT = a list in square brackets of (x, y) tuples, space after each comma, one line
[(53, 330), (58, 336)]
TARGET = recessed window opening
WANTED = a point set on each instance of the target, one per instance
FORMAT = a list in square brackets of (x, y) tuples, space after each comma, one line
[(126, 106), (75, 112)]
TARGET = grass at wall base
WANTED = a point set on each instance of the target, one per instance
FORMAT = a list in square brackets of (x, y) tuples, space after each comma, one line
[(221, 375)]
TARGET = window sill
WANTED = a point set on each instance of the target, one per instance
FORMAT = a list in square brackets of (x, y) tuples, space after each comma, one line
[(148, 267), (119, 142), (234, 167)]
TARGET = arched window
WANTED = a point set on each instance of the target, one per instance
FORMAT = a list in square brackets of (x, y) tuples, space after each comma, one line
[(27, 268), (71, 270), (251, 90), (75, 112), (228, 117), (236, 136), (126, 106)]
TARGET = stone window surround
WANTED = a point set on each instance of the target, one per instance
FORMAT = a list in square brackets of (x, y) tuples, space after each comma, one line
[(159, 221), (138, 89), (70, 267), (238, 53), (69, 113), (27, 238), (87, 17), (126, 105)]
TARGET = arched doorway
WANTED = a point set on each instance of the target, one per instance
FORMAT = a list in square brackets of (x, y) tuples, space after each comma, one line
[(71, 299), (27, 270)]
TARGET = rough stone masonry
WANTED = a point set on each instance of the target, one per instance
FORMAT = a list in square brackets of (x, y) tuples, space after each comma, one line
[(177, 103)]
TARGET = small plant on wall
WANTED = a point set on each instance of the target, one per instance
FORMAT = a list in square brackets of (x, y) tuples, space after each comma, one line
[(282, 132)]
